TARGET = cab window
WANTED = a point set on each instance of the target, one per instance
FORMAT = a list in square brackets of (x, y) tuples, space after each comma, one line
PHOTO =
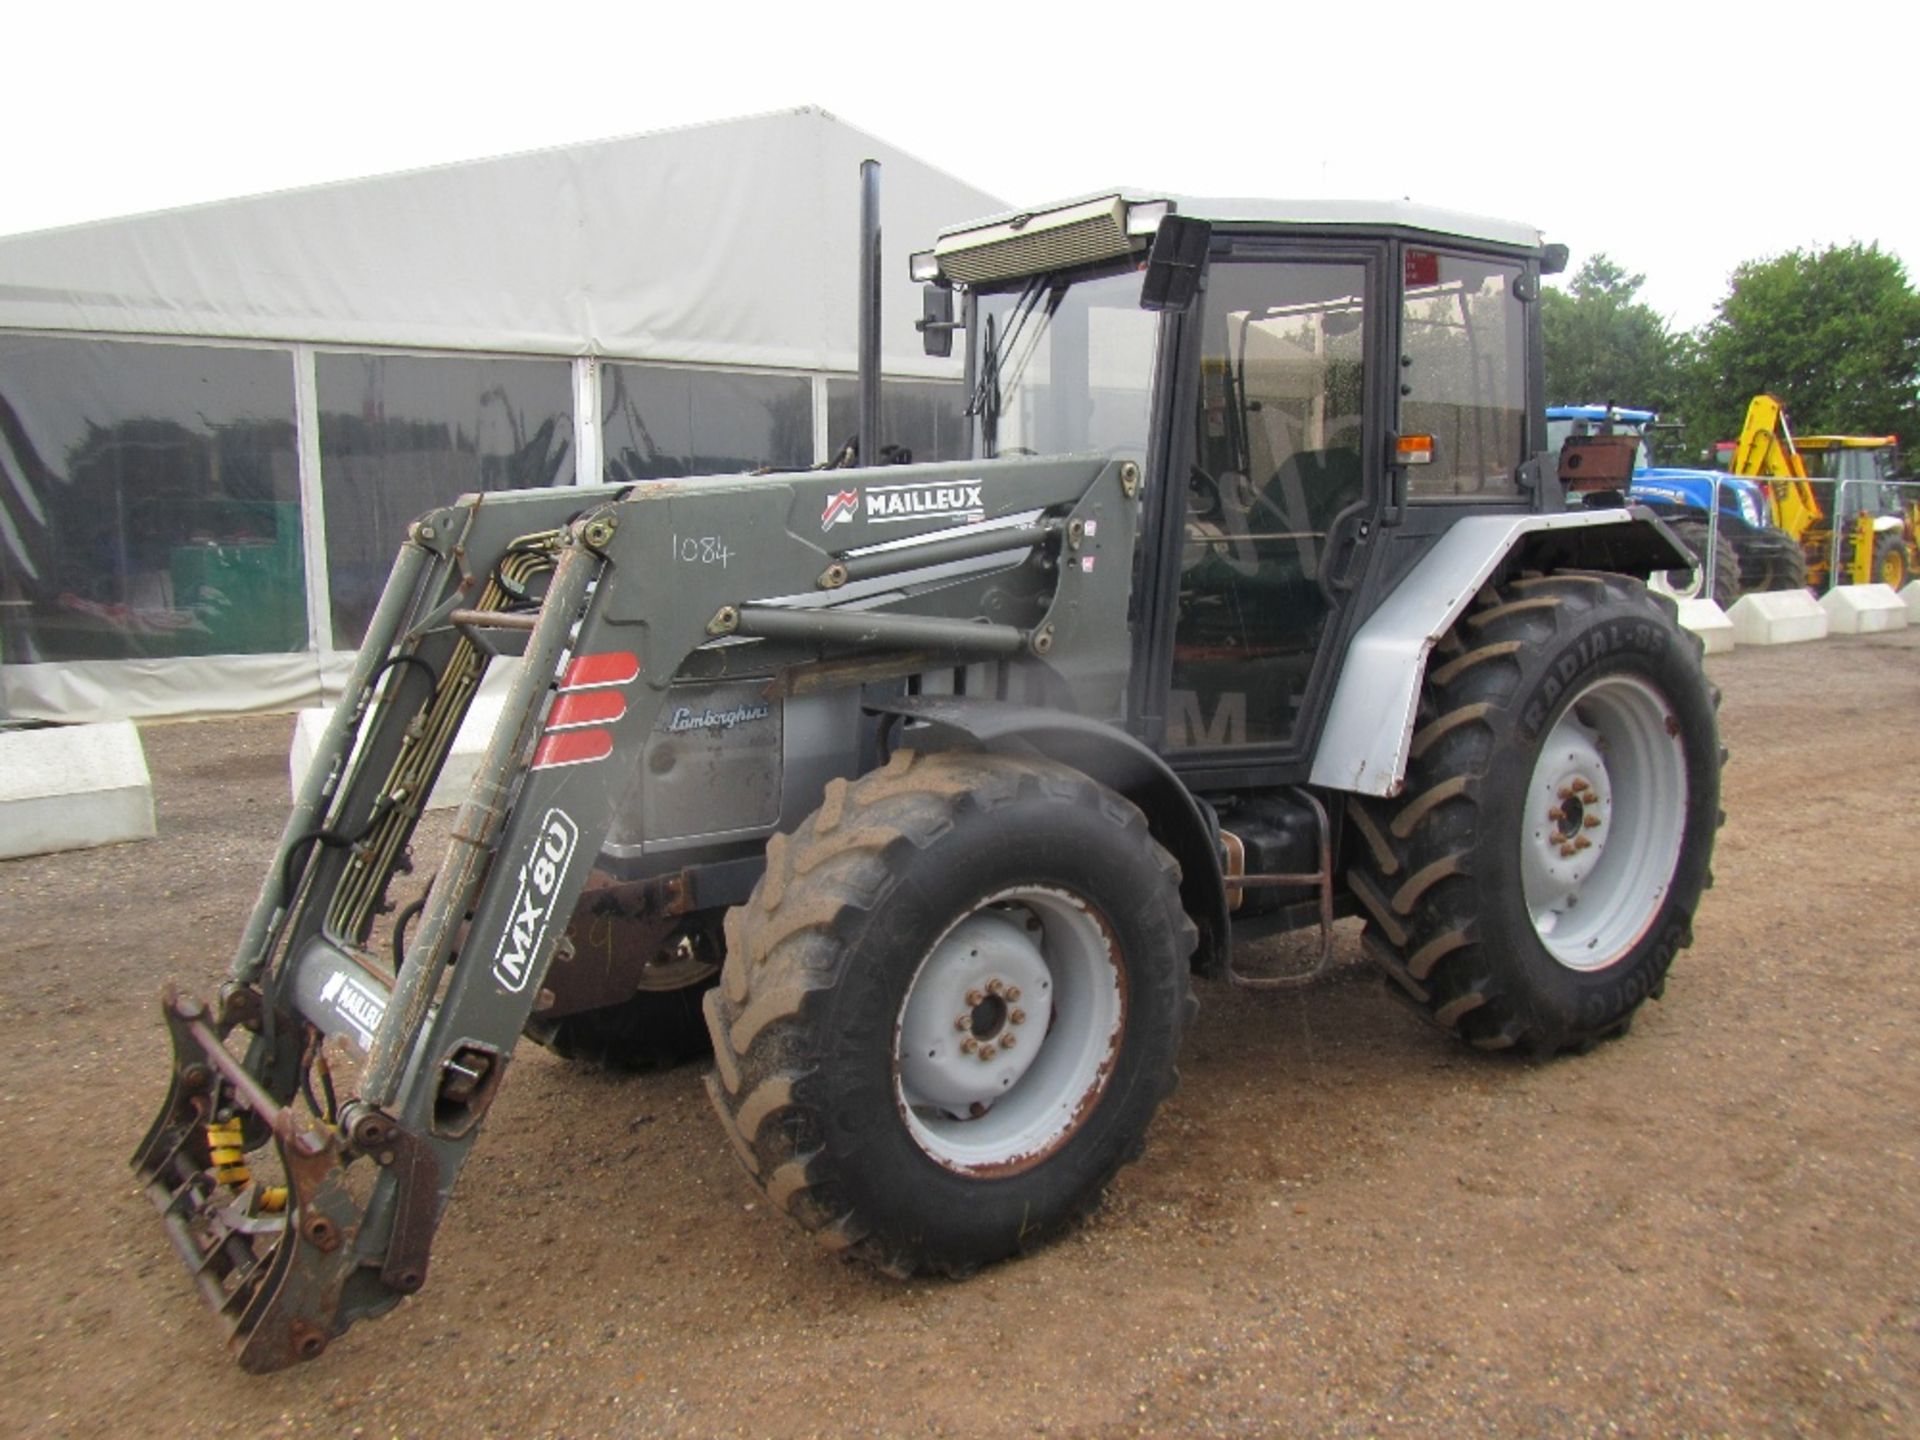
[(1463, 374)]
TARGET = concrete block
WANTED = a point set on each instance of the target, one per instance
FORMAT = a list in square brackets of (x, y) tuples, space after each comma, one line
[(456, 776), (1911, 594), (1710, 623), (1863, 609), (73, 787), (1777, 617)]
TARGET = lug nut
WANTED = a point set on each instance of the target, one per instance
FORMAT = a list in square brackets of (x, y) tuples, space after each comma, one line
[(1581, 842), (1018, 1017), (1592, 822), (974, 997), (994, 987), (961, 1022), (1013, 993), (987, 1052), (1556, 814), (1006, 1041), (969, 1045)]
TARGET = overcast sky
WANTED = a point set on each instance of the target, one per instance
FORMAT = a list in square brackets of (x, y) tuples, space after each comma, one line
[(1679, 140)]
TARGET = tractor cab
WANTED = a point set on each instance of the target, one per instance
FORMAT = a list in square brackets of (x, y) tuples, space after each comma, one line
[(1314, 392)]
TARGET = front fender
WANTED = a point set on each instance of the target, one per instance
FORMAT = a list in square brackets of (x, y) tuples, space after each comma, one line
[(1116, 760)]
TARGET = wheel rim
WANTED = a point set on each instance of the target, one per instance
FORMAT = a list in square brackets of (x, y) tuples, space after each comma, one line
[(1606, 811), (1008, 1031)]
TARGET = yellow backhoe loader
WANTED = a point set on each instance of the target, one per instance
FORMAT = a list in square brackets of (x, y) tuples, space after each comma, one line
[(1877, 528)]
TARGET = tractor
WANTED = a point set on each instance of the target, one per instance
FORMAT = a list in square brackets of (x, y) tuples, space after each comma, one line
[(1259, 603), (1729, 516)]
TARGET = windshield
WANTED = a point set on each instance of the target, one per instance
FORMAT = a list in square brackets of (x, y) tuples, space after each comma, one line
[(1065, 366), (1851, 462)]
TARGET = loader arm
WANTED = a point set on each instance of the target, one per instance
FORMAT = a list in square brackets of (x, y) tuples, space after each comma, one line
[(604, 595)]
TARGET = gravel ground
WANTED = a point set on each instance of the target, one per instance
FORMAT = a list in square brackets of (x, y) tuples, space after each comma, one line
[(1343, 1224)]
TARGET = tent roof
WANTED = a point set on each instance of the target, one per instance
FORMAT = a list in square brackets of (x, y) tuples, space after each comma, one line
[(729, 243)]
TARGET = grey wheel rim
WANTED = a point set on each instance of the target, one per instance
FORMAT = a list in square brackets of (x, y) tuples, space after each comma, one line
[(1009, 1030), (1605, 817)]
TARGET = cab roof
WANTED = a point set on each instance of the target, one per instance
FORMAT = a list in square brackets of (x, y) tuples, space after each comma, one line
[(1368, 214)]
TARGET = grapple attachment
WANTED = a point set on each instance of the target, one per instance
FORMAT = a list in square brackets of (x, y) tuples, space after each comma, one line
[(271, 1260)]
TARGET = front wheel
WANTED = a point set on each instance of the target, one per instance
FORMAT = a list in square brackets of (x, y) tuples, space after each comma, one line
[(951, 1008), (1725, 588), (1532, 885)]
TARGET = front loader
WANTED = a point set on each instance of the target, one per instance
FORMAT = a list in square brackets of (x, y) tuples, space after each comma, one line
[(1258, 605)]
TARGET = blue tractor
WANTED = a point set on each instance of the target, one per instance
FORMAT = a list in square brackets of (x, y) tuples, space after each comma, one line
[(1751, 552)]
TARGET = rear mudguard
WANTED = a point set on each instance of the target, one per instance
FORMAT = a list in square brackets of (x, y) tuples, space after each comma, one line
[(1363, 747)]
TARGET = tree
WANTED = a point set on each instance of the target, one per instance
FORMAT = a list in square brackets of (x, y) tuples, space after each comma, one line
[(1834, 334), (1602, 344)]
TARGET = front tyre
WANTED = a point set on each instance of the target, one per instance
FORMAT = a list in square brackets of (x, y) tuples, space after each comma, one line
[(1726, 563), (1532, 884), (951, 1008)]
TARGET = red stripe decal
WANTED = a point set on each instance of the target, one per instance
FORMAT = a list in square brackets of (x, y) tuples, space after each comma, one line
[(586, 707), (573, 747), (610, 667)]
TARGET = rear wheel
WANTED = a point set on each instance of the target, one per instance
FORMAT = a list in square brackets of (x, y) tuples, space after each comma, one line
[(1771, 559), (1533, 883), (951, 1008), (1890, 561)]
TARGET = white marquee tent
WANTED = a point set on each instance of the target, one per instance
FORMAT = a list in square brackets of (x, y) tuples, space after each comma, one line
[(215, 421)]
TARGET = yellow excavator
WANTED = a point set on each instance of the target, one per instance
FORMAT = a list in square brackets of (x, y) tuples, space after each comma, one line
[(1880, 531)]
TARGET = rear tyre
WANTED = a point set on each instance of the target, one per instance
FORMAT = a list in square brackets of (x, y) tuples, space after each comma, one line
[(1890, 561), (951, 1008), (1771, 559), (1726, 563), (1532, 884)]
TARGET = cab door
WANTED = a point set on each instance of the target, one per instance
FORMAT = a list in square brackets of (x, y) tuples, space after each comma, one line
[(1282, 483)]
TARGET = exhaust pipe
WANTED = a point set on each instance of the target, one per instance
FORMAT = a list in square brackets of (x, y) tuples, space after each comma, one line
[(869, 312)]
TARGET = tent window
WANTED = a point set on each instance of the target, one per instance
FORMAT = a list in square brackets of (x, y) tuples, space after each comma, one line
[(665, 421), (400, 434), (925, 419), (149, 501)]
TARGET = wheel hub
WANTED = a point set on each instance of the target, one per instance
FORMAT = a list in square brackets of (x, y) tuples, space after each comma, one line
[(978, 1010)]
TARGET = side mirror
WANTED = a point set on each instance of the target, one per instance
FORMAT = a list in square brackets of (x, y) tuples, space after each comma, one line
[(1553, 259), (1174, 263), (936, 324)]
